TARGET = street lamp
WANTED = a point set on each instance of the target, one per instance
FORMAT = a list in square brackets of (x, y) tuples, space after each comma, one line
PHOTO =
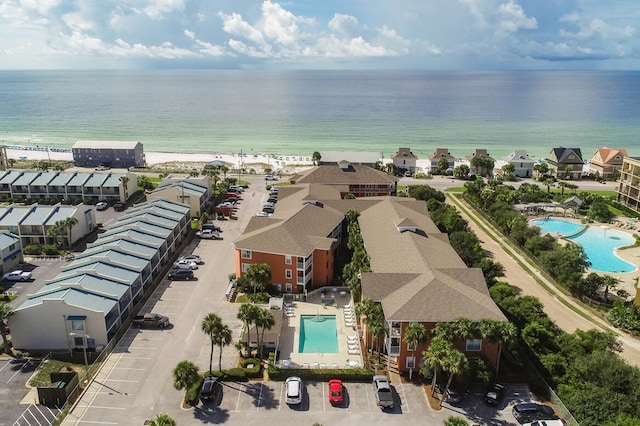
[(84, 345)]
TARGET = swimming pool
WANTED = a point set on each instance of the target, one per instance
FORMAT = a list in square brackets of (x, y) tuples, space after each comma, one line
[(598, 243), (318, 333)]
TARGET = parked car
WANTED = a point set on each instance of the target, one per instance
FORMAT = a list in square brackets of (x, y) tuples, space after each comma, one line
[(336, 396), (181, 275), (293, 386), (556, 422), (17, 276), (270, 177), (210, 389), (382, 391), (494, 395), (102, 168), (272, 200), (150, 320), (120, 206), (530, 411), (185, 264), (268, 208), (192, 258), (208, 233), (102, 205), (263, 214)]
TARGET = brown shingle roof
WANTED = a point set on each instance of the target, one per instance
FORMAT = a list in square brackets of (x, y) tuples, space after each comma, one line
[(334, 175)]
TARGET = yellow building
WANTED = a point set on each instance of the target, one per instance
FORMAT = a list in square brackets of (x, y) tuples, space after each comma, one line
[(629, 183)]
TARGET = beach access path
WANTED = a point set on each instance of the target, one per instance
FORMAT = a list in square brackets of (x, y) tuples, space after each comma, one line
[(567, 313)]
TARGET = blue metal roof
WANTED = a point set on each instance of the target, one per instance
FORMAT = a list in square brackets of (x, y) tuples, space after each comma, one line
[(74, 297), (95, 180)]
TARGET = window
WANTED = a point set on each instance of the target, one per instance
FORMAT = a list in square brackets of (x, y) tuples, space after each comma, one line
[(288, 274), (411, 362), (77, 325), (245, 266), (245, 254), (474, 344), (288, 287), (287, 259)]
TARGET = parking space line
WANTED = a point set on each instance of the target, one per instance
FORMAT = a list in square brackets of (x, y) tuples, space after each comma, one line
[(129, 368), (108, 408), (96, 423), (122, 380), (134, 357), (259, 404), (239, 394), (4, 366), (136, 347)]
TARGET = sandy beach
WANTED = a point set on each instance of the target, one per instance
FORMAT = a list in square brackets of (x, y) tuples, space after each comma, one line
[(188, 160)]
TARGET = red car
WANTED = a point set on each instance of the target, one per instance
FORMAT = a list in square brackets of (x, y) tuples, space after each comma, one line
[(336, 397)]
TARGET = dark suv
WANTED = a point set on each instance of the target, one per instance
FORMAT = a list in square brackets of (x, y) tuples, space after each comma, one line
[(211, 389), (526, 412), (120, 206), (181, 274)]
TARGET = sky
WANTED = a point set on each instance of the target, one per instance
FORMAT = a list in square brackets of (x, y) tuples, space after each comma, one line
[(321, 34)]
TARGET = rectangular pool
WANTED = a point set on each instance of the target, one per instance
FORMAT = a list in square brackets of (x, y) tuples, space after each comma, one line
[(318, 333)]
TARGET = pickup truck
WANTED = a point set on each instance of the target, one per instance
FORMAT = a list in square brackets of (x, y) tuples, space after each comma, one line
[(17, 276), (382, 389), (208, 233), (150, 320)]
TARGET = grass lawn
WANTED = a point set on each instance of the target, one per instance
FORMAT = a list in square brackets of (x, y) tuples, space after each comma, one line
[(42, 377)]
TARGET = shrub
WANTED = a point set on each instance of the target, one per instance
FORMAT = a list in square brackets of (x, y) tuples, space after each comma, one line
[(255, 371), (32, 249), (193, 393)]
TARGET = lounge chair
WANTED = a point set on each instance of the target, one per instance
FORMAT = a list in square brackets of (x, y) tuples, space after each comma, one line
[(352, 338), (354, 352)]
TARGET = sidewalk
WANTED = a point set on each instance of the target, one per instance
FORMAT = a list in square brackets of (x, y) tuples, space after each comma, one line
[(568, 314)]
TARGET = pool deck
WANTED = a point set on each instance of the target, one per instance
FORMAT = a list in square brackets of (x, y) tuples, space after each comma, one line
[(629, 226), (349, 353)]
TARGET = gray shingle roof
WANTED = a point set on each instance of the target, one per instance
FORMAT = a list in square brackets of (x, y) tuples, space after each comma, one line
[(334, 175)]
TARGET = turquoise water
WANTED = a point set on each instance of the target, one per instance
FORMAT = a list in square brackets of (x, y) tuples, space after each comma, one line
[(318, 336), (299, 112), (598, 243)]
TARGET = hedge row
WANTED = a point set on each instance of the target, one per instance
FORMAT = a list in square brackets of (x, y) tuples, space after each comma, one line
[(321, 374)]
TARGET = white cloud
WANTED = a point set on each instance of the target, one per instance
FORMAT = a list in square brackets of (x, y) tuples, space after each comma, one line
[(513, 18), (157, 8), (279, 25), (599, 28), (344, 24), (40, 6), (76, 22)]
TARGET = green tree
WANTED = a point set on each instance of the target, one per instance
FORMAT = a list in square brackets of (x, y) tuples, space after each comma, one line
[(455, 421), (259, 275), (162, 420), (454, 363), (548, 182), (414, 336), (6, 312), (185, 375), (425, 192), (599, 211), (442, 166), (248, 314), (265, 321), (609, 282), (315, 158), (462, 171), (124, 180), (432, 359)]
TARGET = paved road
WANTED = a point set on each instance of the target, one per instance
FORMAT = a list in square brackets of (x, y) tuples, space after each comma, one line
[(564, 310)]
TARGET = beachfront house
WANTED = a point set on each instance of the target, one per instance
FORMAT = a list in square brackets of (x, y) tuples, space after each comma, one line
[(522, 163), (96, 294), (480, 162), (120, 154), (606, 162), (405, 160), (439, 153), (356, 179), (565, 163)]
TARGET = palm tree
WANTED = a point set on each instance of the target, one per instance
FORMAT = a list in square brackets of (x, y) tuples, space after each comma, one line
[(204, 218), (185, 375), (219, 333), (69, 223), (56, 230), (125, 180), (433, 359), (265, 321), (414, 335), (609, 283), (162, 420), (259, 274), (454, 362), (248, 313), (6, 312), (315, 157)]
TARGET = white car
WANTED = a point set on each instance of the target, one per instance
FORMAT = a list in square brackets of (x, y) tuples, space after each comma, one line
[(293, 387), (185, 264), (192, 258), (102, 205), (17, 276)]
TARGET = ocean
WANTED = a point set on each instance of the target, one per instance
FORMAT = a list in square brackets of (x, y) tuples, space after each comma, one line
[(298, 112)]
